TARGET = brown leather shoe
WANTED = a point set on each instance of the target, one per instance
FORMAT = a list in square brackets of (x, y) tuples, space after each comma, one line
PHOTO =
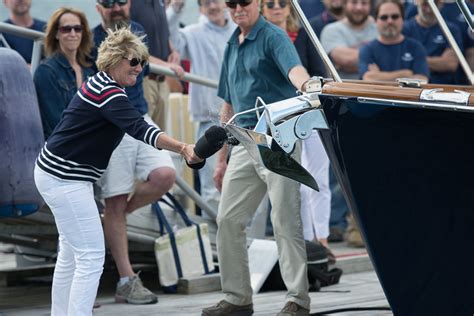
[(293, 309), (224, 308)]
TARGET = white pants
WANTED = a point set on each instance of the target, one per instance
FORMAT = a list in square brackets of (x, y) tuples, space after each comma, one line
[(315, 206), (81, 243)]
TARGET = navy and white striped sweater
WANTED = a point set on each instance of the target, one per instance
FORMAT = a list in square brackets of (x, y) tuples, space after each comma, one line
[(91, 127)]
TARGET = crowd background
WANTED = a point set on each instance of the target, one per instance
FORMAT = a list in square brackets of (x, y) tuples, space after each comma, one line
[(355, 23), (43, 9)]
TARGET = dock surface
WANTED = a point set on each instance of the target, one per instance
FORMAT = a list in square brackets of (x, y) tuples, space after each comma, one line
[(358, 287)]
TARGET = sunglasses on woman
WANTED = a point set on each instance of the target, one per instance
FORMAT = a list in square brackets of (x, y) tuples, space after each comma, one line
[(233, 3), (68, 28), (110, 3), (135, 61), (385, 17), (271, 4)]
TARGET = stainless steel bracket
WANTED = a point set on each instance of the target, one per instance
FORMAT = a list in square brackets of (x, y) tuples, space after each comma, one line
[(437, 95)]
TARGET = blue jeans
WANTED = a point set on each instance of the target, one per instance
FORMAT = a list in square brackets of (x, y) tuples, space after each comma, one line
[(339, 209)]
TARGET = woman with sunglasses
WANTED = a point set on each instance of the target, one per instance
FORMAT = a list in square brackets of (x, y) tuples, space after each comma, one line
[(282, 14), (68, 43), (76, 155)]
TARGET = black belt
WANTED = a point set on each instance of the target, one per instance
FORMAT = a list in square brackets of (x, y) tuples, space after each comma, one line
[(154, 77)]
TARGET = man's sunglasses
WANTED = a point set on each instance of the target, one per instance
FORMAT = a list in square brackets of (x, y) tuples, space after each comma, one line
[(68, 28), (110, 3), (135, 61), (271, 4), (233, 3), (385, 17)]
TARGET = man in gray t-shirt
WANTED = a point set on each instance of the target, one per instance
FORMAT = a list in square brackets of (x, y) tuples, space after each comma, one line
[(342, 39)]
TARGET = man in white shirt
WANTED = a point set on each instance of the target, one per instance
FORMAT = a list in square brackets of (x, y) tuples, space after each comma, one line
[(203, 44)]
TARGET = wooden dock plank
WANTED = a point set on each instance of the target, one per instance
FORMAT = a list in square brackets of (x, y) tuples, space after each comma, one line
[(355, 290)]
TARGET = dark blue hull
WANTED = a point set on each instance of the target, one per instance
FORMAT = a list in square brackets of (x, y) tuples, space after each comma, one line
[(21, 137), (408, 176)]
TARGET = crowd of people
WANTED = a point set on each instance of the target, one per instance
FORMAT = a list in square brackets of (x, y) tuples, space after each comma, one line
[(95, 90)]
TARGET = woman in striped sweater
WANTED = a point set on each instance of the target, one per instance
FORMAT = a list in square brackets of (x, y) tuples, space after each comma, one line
[(76, 155)]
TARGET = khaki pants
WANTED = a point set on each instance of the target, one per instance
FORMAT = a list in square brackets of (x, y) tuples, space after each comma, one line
[(157, 97), (245, 183)]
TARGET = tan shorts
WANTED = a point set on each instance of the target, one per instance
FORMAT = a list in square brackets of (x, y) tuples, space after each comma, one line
[(132, 160)]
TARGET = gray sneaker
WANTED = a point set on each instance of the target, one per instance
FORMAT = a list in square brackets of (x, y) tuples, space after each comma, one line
[(133, 292), (293, 309), (224, 308)]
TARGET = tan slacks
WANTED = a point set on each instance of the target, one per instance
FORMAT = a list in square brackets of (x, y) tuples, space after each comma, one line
[(157, 96), (244, 185)]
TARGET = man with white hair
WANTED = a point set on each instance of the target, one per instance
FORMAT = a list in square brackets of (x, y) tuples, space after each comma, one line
[(259, 60)]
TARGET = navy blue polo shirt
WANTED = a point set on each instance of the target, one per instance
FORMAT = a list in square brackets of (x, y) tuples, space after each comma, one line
[(258, 67), (409, 54), (311, 8), (135, 93), (23, 45), (435, 43)]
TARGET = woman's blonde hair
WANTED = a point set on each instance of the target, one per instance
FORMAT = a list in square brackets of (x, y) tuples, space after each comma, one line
[(292, 21), (51, 43), (120, 43)]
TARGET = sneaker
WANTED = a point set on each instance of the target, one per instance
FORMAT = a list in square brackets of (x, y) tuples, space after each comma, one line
[(293, 309), (224, 308), (336, 234), (353, 236), (133, 292), (354, 239)]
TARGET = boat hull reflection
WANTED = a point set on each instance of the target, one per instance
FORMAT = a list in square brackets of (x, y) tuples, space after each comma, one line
[(408, 176)]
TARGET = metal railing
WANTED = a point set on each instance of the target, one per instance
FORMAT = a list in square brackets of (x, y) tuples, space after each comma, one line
[(315, 40), (444, 27), (38, 38), (466, 12)]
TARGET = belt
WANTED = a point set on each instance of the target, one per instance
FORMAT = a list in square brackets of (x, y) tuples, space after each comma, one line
[(154, 77)]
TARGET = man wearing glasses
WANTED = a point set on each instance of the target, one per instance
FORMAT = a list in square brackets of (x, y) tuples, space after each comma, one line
[(391, 55), (259, 60), (131, 160)]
